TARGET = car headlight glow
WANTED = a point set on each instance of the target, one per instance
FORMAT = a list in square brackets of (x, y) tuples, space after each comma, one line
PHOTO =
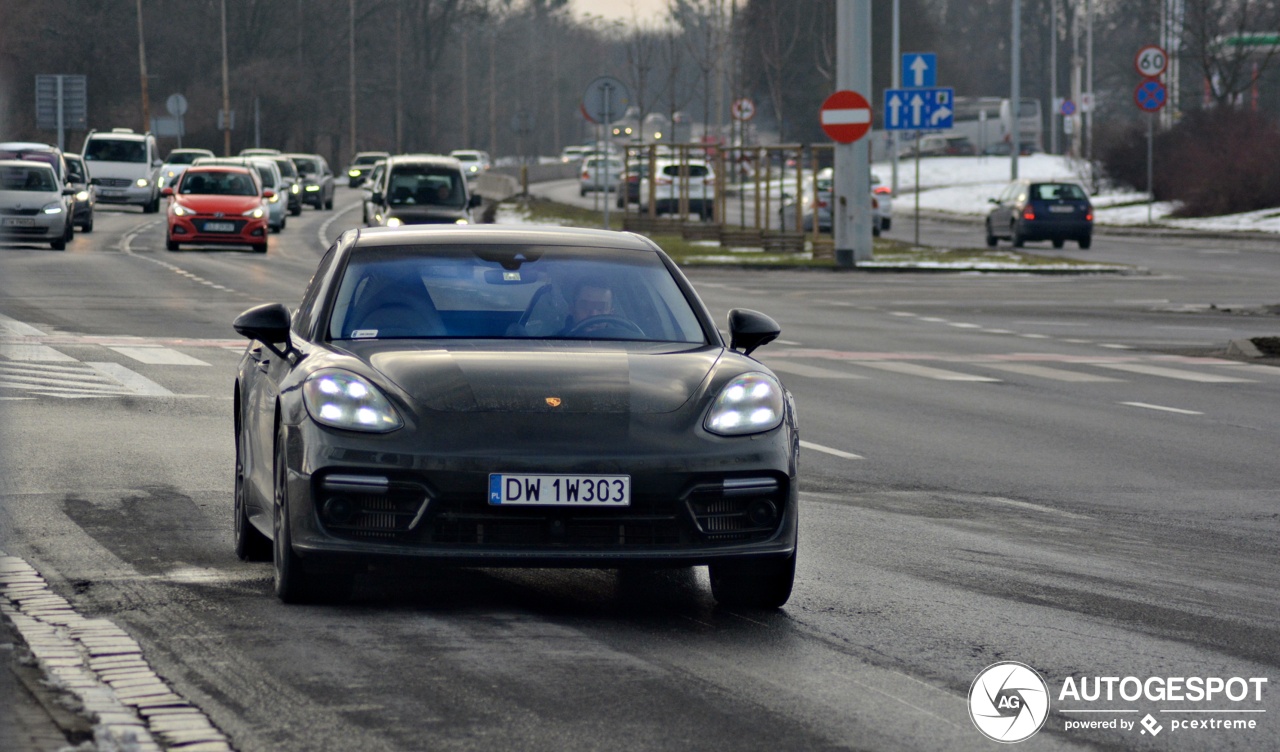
[(313, 188), (353, 173), (171, 173), (461, 222), (394, 222), (54, 208), (255, 213), (143, 182), (82, 196), (750, 403), (275, 199), (181, 211), (295, 188), (342, 399)]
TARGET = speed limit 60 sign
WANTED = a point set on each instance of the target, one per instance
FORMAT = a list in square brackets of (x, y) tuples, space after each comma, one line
[(1151, 61)]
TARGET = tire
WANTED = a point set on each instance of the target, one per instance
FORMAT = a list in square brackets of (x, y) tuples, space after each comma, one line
[(171, 245), (250, 544), (87, 226), (152, 206), (762, 583), (283, 222), (328, 205), (292, 583), (1085, 242), (296, 211), (1059, 242), (582, 191), (58, 245), (1018, 240), (259, 247), (992, 240)]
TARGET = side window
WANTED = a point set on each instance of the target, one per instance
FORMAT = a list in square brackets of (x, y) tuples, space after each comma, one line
[(308, 309)]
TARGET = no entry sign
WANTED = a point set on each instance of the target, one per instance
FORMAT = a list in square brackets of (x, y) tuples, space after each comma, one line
[(846, 116)]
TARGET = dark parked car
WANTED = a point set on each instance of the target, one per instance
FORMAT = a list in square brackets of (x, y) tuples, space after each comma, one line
[(317, 179), (362, 164), (1033, 210), (511, 397), (292, 183)]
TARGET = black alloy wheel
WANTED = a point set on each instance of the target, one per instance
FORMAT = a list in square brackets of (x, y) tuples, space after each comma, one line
[(251, 545)]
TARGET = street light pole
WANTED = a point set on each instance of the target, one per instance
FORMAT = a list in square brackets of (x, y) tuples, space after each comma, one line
[(1015, 95), (351, 69), (897, 83), (226, 88), (142, 67)]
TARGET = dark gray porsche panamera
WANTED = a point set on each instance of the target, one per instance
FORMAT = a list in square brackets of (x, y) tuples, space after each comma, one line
[(511, 397)]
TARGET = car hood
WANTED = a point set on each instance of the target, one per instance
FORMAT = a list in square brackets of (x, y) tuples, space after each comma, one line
[(426, 214), (204, 204), (569, 377), (28, 199)]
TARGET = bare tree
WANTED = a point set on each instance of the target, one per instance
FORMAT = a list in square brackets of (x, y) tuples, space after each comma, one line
[(1230, 43)]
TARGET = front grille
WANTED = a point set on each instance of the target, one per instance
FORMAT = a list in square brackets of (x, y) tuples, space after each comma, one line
[(737, 509), (369, 507), (24, 230), (552, 529), (21, 212), (112, 182)]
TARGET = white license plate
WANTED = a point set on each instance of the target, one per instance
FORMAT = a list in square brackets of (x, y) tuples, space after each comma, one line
[(560, 490), (219, 226), (1062, 209), (19, 222), (110, 192)]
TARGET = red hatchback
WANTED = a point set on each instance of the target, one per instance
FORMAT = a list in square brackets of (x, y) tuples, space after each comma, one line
[(218, 204)]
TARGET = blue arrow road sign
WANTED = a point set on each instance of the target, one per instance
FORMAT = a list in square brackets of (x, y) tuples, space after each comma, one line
[(919, 70), (919, 109)]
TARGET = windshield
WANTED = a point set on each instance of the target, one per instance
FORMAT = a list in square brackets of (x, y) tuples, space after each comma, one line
[(217, 184), (511, 292), (413, 185), (467, 157), (34, 179), (75, 170), (185, 157), (267, 176), (286, 168), (115, 150), (368, 159), (306, 166)]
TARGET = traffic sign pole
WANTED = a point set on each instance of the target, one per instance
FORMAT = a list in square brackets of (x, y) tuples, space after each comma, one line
[(851, 212)]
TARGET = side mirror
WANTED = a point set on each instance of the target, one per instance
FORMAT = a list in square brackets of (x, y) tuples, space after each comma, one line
[(167, 191), (69, 190), (751, 329), (993, 201), (156, 163), (376, 197), (268, 193), (267, 323), (476, 200)]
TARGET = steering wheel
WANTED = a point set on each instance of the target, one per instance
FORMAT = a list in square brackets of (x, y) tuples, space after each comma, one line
[(596, 325)]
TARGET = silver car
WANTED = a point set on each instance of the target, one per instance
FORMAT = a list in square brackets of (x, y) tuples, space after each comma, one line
[(34, 204)]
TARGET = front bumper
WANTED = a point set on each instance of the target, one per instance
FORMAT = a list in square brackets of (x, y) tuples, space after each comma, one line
[(191, 229), (37, 227), (687, 508), (132, 194)]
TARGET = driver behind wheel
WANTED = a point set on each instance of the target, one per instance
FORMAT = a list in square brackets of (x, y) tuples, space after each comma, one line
[(592, 300)]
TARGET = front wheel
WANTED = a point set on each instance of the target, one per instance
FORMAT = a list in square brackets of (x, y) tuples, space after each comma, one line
[(171, 245), (292, 583), (761, 583), (250, 544), (1085, 242), (328, 205), (991, 238), (259, 247), (296, 209)]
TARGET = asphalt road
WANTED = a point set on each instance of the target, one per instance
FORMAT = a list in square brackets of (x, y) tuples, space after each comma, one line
[(1044, 469)]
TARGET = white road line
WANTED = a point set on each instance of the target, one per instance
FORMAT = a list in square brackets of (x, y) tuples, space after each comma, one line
[(323, 233), (1113, 346), (933, 320), (997, 331), (135, 382), (902, 313), (1079, 341), (52, 370), (1034, 336), (1162, 408), (811, 372), (959, 325), (60, 390), (159, 356), (1044, 372), (15, 328), (1175, 373), (84, 378), (828, 450), (912, 369), (34, 353), (789, 342)]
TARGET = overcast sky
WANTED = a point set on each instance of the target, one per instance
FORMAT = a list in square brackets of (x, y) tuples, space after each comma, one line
[(647, 11)]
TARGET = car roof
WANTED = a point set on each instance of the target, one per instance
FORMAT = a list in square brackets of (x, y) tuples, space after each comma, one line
[(373, 154), (24, 163), (431, 159), (218, 167), (119, 136), (499, 235)]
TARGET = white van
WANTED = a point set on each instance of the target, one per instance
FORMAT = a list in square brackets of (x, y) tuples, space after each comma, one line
[(125, 167)]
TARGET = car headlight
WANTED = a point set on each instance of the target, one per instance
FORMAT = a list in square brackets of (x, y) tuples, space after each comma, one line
[(54, 208), (295, 188), (255, 213), (342, 399), (82, 196), (181, 211), (353, 173), (313, 187), (461, 222), (142, 182), (171, 173), (750, 403), (275, 199), (394, 222)]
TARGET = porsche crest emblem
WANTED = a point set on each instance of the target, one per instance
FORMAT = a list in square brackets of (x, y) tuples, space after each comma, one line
[(553, 401)]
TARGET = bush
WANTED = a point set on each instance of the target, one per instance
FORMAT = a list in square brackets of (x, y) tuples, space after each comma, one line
[(1213, 162)]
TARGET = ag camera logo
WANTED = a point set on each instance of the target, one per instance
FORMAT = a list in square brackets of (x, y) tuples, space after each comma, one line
[(1008, 702)]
